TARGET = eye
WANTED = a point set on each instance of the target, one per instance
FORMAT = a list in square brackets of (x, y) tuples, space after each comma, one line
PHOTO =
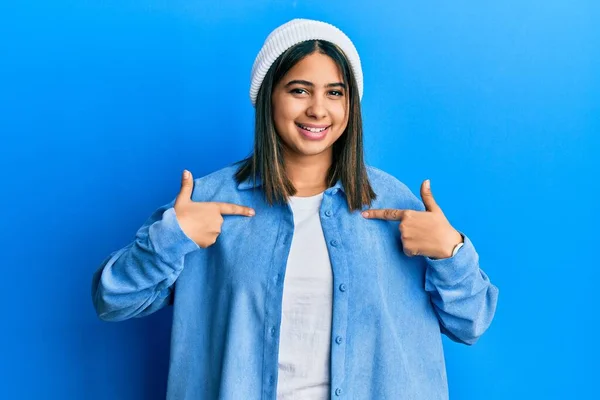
[(337, 93), (298, 91)]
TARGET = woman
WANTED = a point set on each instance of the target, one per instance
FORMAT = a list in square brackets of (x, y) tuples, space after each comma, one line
[(301, 273)]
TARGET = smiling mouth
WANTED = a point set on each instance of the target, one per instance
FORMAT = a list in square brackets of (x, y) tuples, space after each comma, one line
[(313, 130)]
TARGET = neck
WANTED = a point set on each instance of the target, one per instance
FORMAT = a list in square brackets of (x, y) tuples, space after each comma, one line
[(308, 174)]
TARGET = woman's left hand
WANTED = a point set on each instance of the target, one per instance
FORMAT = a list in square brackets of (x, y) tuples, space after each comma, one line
[(423, 233)]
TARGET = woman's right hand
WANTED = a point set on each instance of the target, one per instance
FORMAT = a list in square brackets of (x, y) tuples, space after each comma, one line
[(202, 221)]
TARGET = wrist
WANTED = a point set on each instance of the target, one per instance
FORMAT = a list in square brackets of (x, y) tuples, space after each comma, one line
[(455, 245), (458, 244)]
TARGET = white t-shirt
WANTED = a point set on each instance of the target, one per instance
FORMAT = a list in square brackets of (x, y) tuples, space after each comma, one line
[(305, 337)]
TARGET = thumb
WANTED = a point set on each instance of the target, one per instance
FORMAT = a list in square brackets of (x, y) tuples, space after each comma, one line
[(187, 185), (427, 196)]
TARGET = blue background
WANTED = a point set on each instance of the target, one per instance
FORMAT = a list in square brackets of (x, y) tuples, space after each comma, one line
[(103, 103)]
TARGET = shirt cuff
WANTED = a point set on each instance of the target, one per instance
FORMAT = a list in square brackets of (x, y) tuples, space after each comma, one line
[(453, 269), (168, 239)]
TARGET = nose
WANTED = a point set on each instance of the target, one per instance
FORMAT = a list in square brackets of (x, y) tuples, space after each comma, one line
[(316, 109)]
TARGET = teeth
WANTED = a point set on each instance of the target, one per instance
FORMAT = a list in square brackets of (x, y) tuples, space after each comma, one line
[(314, 130)]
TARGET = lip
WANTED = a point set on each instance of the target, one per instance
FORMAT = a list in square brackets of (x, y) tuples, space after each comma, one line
[(313, 125), (312, 135)]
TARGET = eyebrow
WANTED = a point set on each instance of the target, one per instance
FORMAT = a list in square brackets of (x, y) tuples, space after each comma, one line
[(310, 84)]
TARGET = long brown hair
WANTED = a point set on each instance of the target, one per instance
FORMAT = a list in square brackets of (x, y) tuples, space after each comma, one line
[(266, 162)]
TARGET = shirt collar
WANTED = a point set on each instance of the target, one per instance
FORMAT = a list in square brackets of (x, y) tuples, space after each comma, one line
[(250, 183)]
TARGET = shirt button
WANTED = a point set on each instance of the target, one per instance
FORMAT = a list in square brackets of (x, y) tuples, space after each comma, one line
[(338, 391), (339, 340), (342, 287), (334, 191), (273, 331), (328, 213), (334, 243), (271, 380)]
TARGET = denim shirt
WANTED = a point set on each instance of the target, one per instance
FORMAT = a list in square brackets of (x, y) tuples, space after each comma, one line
[(389, 310)]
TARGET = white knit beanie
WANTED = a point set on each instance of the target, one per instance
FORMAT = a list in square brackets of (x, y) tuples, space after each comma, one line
[(292, 33)]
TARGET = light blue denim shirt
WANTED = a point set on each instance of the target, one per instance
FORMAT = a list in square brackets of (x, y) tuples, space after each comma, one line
[(389, 310)]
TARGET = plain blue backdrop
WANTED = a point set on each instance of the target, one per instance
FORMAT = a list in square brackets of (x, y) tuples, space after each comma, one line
[(104, 103)]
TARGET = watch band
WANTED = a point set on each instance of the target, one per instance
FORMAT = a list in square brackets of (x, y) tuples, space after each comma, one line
[(456, 248)]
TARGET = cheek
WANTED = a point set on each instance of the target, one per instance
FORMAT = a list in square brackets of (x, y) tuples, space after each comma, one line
[(285, 107), (279, 117), (283, 118), (285, 113), (340, 114)]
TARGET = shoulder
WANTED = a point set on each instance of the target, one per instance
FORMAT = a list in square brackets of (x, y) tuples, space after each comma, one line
[(391, 192), (385, 182), (220, 183)]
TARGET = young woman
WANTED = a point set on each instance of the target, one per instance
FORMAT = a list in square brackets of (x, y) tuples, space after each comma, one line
[(301, 273)]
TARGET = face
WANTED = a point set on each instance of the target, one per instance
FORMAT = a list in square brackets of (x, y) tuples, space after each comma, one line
[(310, 107)]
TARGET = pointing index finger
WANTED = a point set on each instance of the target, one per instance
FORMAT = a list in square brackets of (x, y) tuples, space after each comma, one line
[(389, 214), (234, 209)]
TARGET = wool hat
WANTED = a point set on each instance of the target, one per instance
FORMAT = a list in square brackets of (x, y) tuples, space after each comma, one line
[(294, 32)]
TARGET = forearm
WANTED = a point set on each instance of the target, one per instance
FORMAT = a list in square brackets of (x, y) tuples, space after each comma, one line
[(462, 294), (137, 279)]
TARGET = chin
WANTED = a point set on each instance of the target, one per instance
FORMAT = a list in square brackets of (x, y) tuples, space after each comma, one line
[(312, 150)]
